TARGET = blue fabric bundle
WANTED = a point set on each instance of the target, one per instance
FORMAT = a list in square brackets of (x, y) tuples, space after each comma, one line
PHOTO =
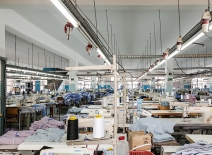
[(72, 98), (165, 104)]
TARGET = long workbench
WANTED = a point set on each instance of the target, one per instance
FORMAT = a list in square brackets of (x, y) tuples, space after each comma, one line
[(171, 113)]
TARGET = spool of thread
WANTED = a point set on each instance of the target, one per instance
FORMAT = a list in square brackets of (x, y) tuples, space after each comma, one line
[(172, 93), (209, 101), (187, 96), (202, 99), (167, 93), (181, 96), (128, 99), (72, 129), (98, 127), (118, 101), (104, 102)]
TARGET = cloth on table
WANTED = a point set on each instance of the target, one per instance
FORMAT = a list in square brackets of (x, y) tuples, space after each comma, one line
[(15, 137), (49, 135), (74, 110), (40, 107), (159, 128), (162, 137), (45, 123), (198, 148)]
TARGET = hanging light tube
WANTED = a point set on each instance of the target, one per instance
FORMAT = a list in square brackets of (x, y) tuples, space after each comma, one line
[(62, 8), (65, 12), (107, 61), (101, 54), (185, 45)]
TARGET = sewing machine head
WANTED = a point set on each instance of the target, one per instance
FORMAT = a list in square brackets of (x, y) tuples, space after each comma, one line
[(94, 112), (206, 113), (203, 103)]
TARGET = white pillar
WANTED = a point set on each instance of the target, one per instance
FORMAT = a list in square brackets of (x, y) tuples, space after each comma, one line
[(2, 62), (93, 82), (169, 75), (153, 83), (73, 79), (2, 33)]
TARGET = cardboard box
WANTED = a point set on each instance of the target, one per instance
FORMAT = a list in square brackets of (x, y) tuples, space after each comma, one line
[(139, 138)]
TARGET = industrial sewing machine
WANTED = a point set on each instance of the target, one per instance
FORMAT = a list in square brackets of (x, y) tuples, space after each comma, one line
[(14, 101), (203, 103), (206, 113)]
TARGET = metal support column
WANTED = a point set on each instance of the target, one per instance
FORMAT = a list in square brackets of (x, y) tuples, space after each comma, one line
[(115, 104), (2, 94)]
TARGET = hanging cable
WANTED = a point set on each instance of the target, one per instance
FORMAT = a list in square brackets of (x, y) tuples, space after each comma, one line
[(95, 17), (114, 44), (155, 38), (32, 55), (160, 35), (145, 58), (195, 60), (111, 36), (107, 31), (209, 5), (15, 50), (28, 57), (150, 48), (179, 17), (147, 51), (38, 60), (179, 66), (208, 36)]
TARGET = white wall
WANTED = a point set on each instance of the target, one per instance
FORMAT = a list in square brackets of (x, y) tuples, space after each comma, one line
[(22, 47)]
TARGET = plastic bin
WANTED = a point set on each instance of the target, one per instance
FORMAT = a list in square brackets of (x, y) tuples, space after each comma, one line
[(141, 153)]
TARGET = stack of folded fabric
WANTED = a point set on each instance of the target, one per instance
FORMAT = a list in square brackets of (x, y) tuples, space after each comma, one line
[(198, 148), (48, 135), (46, 123), (160, 129), (15, 137)]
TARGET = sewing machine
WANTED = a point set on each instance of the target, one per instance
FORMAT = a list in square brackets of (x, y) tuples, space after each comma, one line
[(203, 103), (206, 113), (184, 106), (46, 100), (93, 112), (13, 101), (67, 151)]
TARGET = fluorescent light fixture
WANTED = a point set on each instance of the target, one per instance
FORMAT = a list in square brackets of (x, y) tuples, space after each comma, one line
[(15, 69), (100, 53), (29, 71), (65, 12), (153, 68), (210, 28), (173, 54), (107, 61), (163, 61), (192, 40)]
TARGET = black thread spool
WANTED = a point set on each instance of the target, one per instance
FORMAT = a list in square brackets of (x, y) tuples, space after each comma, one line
[(72, 129)]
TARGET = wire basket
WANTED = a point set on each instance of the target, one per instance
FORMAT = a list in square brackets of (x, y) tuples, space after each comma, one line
[(141, 153)]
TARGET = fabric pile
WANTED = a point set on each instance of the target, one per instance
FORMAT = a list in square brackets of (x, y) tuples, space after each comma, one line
[(46, 123), (49, 135), (198, 148), (15, 137), (72, 98), (160, 129)]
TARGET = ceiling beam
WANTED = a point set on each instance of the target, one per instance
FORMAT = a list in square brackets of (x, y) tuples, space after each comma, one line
[(187, 68), (159, 56)]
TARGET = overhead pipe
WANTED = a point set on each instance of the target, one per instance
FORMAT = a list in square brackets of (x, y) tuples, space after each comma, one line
[(159, 56)]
